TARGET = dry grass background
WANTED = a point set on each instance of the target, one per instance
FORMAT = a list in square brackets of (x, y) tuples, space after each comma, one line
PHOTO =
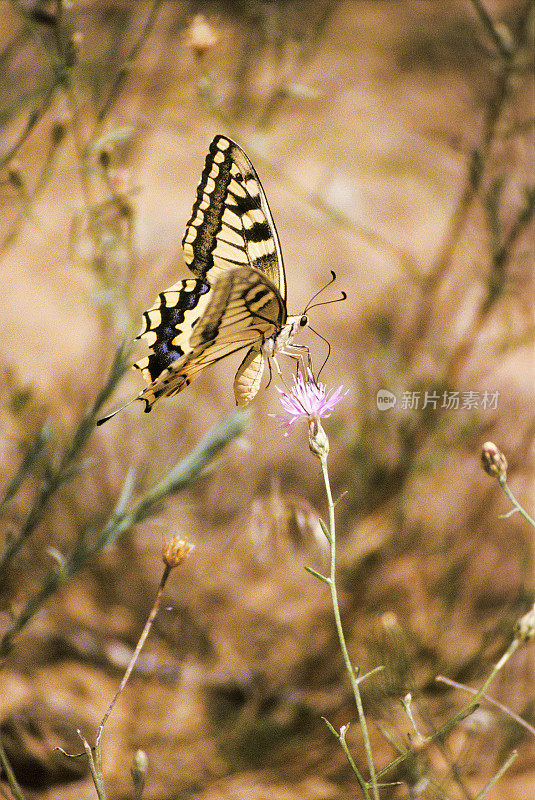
[(362, 119)]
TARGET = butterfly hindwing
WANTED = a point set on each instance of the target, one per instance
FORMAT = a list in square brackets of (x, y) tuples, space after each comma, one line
[(168, 325), (242, 309), (231, 224)]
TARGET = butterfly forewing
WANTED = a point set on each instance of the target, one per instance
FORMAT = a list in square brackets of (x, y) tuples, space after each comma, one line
[(231, 224)]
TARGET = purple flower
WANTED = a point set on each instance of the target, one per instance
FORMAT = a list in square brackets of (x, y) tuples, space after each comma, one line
[(307, 399)]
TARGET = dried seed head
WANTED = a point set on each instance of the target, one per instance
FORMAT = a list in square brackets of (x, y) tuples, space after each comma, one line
[(525, 627), (176, 551), (201, 36), (493, 460)]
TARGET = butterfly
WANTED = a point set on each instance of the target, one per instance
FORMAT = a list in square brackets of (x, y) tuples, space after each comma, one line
[(237, 298)]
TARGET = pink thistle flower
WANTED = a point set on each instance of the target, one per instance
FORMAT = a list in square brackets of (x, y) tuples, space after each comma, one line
[(307, 399)]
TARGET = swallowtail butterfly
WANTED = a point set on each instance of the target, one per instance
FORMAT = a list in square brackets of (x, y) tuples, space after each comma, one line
[(237, 298)]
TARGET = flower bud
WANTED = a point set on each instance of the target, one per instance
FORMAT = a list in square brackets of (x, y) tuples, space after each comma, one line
[(525, 627), (494, 461), (201, 36), (176, 551), (317, 438)]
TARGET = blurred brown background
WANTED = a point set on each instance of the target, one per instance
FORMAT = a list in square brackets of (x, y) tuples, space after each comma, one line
[(394, 141)]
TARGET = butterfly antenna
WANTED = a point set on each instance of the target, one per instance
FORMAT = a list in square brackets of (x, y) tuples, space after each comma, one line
[(333, 278), (311, 303), (102, 420), (323, 339)]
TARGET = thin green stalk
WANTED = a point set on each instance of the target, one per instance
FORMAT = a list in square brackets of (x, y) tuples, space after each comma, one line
[(95, 774), (29, 460), (503, 483), (42, 180), (34, 118), (35, 31), (513, 647), (63, 471), (490, 700), (495, 778), (492, 30), (341, 638)]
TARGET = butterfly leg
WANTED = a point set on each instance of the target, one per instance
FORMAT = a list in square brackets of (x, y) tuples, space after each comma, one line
[(300, 353)]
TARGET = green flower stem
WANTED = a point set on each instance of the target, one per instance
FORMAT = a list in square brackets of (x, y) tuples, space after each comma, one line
[(126, 68), (67, 464), (513, 647), (341, 638), (95, 769), (503, 483)]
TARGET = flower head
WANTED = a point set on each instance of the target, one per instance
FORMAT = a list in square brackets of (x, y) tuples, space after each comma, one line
[(309, 400), (176, 551)]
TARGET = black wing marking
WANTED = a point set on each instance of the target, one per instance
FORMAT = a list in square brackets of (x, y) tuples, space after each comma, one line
[(168, 325), (243, 309), (231, 224)]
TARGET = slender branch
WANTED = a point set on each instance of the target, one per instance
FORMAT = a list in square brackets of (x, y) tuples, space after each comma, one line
[(96, 774), (141, 642), (64, 469), (30, 458), (503, 483), (495, 778), (35, 31), (42, 180), (34, 118), (474, 177), (491, 28), (491, 700), (127, 66), (10, 775)]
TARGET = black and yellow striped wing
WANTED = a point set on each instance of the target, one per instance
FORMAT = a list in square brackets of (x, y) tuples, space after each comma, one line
[(237, 298), (242, 309), (231, 224)]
